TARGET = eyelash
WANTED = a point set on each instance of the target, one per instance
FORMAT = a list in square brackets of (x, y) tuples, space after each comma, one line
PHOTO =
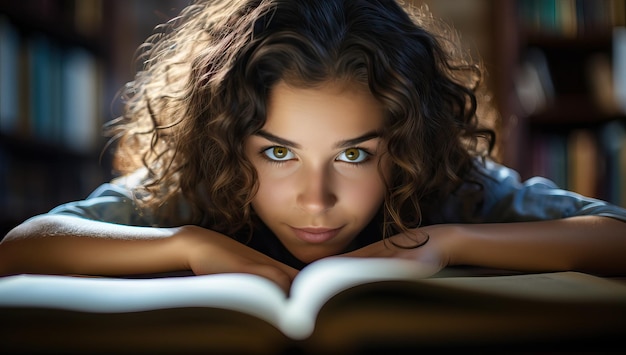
[(367, 158)]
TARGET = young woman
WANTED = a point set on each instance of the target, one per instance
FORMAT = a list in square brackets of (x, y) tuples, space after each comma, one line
[(262, 135)]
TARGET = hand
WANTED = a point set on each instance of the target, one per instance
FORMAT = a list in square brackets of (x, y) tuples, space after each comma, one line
[(431, 255), (211, 252)]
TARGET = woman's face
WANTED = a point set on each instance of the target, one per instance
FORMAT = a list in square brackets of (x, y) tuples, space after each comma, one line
[(317, 160)]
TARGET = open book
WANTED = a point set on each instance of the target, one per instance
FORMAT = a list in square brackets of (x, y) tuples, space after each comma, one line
[(335, 303)]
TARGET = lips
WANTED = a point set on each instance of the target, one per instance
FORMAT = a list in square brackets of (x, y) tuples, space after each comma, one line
[(316, 235)]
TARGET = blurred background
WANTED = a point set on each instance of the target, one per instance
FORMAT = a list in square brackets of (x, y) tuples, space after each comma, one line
[(556, 68)]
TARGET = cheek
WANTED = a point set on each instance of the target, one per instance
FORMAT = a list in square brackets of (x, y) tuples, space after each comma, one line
[(367, 187), (365, 196), (373, 190), (272, 192)]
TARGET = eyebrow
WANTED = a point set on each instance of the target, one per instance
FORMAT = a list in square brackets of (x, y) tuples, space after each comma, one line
[(341, 144)]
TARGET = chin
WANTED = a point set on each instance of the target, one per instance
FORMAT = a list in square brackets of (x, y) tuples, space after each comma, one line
[(314, 256)]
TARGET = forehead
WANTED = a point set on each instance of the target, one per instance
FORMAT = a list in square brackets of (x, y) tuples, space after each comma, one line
[(336, 108)]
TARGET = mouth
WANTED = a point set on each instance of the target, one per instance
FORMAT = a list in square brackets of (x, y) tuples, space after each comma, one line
[(316, 235)]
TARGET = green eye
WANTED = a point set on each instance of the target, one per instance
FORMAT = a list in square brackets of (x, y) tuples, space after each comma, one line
[(353, 155), (278, 153)]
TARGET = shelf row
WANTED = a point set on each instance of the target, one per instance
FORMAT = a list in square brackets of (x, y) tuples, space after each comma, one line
[(571, 18), (49, 91)]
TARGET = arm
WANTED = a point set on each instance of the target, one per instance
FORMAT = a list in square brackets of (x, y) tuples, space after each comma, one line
[(587, 243), (62, 244)]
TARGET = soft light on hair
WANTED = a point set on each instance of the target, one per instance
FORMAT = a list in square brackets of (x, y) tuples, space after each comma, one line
[(207, 75)]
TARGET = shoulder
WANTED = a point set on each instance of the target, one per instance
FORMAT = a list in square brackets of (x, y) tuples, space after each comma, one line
[(118, 202), (110, 202), (495, 193)]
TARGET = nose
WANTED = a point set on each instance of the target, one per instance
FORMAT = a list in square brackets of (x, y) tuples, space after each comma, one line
[(316, 194)]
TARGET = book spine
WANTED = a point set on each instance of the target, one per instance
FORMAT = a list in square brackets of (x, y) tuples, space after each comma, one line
[(9, 59), (619, 66), (583, 162), (550, 158), (613, 139), (40, 85), (80, 100)]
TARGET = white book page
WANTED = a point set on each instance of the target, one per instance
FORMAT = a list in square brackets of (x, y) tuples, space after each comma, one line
[(321, 280), (246, 293)]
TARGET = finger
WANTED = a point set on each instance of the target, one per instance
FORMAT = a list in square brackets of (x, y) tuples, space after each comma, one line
[(262, 259), (291, 272)]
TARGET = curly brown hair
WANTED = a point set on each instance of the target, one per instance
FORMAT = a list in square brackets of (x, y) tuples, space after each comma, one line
[(206, 77)]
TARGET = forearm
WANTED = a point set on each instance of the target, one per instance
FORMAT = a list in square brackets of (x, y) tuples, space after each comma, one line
[(71, 245), (590, 244)]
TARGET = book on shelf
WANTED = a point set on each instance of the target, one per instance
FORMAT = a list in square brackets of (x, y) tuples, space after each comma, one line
[(583, 162), (334, 303), (549, 157), (43, 89), (88, 16), (9, 59), (619, 66), (533, 82), (81, 97), (613, 146)]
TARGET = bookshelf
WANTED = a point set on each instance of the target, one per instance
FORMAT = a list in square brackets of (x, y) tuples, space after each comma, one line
[(61, 65), (556, 81), (552, 68), (52, 58)]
